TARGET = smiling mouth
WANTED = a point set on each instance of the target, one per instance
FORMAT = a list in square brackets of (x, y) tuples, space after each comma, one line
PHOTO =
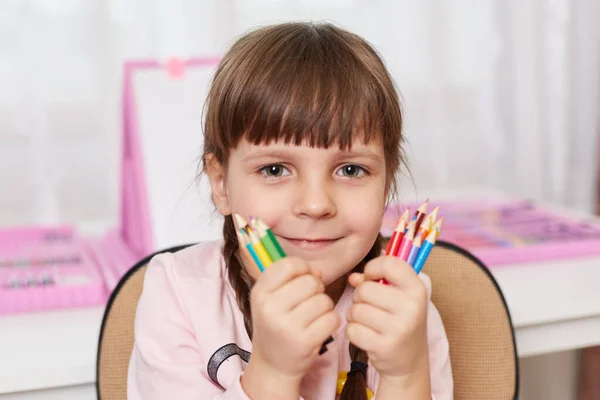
[(311, 244)]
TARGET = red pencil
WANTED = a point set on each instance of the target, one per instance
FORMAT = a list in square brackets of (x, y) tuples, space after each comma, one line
[(396, 239), (420, 214), (407, 241)]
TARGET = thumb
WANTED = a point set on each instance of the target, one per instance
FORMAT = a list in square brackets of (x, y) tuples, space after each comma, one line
[(356, 279)]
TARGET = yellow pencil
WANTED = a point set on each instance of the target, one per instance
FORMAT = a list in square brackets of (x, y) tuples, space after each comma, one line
[(261, 252)]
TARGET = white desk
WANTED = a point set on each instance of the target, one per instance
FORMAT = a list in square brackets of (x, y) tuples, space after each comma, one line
[(48, 351), (56, 348), (554, 307)]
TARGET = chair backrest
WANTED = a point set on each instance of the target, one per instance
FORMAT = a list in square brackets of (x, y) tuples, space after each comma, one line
[(475, 315), (478, 325), (116, 334)]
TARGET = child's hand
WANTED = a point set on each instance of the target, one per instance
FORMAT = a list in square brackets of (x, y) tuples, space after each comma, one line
[(389, 322), (291, 317)]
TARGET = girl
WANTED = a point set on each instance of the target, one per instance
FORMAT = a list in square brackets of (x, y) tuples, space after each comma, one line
[(303, 128)]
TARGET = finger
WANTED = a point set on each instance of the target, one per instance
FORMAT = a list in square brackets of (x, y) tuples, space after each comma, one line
[(362, 336), (311, 309), (322, 328), (387, 298), (394, 270), (297, 290), (280, 272), (370, 316), (356, 278)]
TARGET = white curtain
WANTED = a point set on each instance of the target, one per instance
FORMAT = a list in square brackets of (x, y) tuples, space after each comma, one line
[(502, 93)]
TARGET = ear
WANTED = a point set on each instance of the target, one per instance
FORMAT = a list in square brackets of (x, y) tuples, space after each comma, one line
[(217, 177)]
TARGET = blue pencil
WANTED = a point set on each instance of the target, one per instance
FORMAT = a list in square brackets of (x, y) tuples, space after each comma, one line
[(422, 256), (428, 244), (252, 252)]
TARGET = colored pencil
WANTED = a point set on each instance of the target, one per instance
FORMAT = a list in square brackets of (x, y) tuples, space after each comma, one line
[(414, 250), (427, 224), (240, 224), (247, 246), (259, 248), (272, 237), (268, 240), (438, 227), (397, 235), (427, 246), (412, 240), (256, 244), (245, 243), (420, 214), (407, 241), (433, 215)]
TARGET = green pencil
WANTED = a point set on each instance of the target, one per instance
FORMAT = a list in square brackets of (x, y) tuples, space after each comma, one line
[(267, 239)]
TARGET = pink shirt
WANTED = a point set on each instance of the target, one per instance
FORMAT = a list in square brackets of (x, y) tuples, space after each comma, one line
[(188, 328)]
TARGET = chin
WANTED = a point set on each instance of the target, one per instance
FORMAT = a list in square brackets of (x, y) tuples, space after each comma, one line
[(328, 276)]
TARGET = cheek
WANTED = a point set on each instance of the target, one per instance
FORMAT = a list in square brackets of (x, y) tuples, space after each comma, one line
[(364, 209), (249, 199), (367, 220)]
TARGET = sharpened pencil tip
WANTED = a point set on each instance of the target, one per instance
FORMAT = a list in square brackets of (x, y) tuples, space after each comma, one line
[(239, 221)]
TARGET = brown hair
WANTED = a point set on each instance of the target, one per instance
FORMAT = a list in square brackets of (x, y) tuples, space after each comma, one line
[(309, 83)]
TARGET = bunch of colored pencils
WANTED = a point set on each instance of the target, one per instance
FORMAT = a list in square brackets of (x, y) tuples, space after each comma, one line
[(260, 245), (258, 242), (413, 240)]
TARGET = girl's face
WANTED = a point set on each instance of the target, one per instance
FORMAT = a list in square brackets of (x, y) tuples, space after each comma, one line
[(323, 205)]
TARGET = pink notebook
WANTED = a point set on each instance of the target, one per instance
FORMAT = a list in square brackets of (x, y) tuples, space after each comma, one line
[(51, 267), (502, 233)]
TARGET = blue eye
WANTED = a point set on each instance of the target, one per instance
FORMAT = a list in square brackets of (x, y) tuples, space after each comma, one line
[(274, 171), (351, 171)]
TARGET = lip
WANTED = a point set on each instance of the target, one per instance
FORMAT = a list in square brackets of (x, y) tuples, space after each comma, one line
[(310, 243)]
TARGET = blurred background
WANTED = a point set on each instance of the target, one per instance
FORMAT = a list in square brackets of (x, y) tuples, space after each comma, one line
[(497, 93)]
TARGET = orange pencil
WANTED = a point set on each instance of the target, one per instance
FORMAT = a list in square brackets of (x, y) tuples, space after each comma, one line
[(427, 224)]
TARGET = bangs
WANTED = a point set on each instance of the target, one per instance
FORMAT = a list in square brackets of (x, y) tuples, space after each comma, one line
[(311, 106), (304, 88)]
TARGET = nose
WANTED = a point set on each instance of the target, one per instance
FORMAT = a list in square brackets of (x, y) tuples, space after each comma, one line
[(315, 199)]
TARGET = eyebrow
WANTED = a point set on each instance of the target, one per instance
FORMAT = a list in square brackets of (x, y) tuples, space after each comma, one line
[(287, 153), (265, 153), (362, 153)]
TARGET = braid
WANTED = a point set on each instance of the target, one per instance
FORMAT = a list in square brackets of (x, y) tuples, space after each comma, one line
[(355, 387), (238, 277)]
